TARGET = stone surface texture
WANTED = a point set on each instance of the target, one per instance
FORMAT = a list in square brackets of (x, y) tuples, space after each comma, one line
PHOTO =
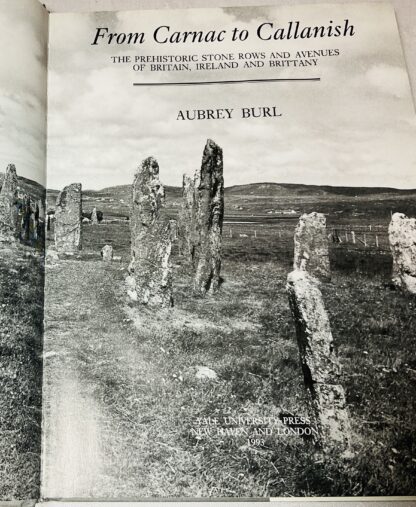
[(151, 238), (8, 210), (311, 252), (402, 239), (320, 365), (187, 219), (209, 189), (68, 218)]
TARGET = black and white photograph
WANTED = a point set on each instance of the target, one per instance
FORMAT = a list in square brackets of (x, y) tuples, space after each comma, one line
[(215, 299), (23, 30), (230, 280)]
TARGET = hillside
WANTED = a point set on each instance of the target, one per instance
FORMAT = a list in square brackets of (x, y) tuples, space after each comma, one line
[(258, 189), (266, 199), (292, 189), (34, 189)]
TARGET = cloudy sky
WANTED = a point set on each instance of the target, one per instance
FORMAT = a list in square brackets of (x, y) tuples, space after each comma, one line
[(354, 127), (23, 78)]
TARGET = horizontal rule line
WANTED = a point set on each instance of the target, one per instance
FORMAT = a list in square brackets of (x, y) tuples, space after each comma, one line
[(237, 81)]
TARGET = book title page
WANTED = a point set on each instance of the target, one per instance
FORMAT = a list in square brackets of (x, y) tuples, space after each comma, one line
[(231, 264)]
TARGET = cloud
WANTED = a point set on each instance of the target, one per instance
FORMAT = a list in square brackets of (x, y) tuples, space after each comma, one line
[(389, 80), (337, 131), (23, 77)]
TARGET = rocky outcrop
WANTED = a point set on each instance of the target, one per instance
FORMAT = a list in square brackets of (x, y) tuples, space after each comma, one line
[(209, 191), (402, 239), (320, 365), (68, 217), (311, 246), (150, 280)]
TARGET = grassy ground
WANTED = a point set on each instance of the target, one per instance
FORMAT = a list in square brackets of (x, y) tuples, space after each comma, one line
[(141, 365), (21, 317)]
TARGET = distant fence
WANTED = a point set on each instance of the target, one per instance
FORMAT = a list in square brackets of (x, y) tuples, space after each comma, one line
[(256, 238), (373, 237)]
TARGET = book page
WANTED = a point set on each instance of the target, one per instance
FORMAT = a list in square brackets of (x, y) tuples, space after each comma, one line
[(23, 39), (230, 268)]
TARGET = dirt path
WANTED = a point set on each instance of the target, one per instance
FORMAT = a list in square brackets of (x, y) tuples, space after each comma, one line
[(73, 455), (74, 421), (98, 391), (121, 395)]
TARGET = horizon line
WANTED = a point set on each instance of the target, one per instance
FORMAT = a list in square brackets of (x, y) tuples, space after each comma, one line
[(411, 189), (408, 189)]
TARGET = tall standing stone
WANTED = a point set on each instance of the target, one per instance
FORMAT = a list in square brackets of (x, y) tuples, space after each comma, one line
[(40, 219), (68, 218), (209, 188), (151, 239), (187, 218), (402, 239), (8, 210), (311, 246), (320, 365)]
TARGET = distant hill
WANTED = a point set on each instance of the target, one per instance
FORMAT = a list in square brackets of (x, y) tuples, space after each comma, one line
[(268, 189), (122, 193), (34, 189), (284, 189), (118, 193)]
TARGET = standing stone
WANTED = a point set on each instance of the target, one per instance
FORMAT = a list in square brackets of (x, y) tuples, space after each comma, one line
[(94, 218), (320, 365), (41, 209), (402, 239), (187, 219), (68, 218), (151, 239), (209, 188), (148, 198), (26, 211), (107, 253), (311, 246), (40, 219), (173, 227), (8, 209)]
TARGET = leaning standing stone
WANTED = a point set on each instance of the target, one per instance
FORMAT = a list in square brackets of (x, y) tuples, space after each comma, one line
[(320, 365), (402, 239), (68, 218), (209, 187), (8, 210), (150, 268), (311, 246)]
